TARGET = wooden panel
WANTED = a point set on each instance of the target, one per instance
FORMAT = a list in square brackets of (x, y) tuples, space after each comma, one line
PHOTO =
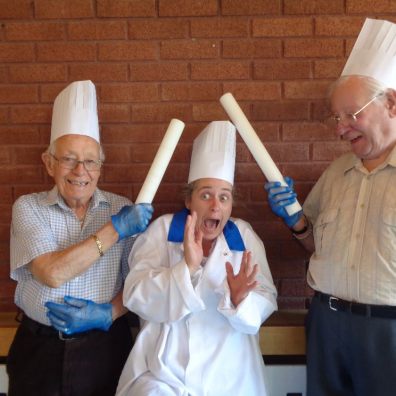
[(6, 336), (284, 340), (282, 334)]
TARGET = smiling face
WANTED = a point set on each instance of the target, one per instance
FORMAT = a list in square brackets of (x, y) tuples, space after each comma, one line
[(212, 200), (75, 185), (372, 136)]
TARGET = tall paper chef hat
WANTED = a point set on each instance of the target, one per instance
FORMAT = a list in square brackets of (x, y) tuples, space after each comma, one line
[(213, 154), (374, 53), (75, 111)]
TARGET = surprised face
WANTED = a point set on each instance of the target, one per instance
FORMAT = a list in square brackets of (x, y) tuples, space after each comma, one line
[(212, 200)]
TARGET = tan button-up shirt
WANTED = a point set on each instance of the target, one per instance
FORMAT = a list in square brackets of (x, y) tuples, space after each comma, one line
[(353, 213)]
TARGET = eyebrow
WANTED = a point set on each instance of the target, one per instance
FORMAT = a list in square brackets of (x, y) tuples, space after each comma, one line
[(69, 152), (211, 188)]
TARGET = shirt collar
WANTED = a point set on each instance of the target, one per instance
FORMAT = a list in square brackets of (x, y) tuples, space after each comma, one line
[(230, 231), (351, 162), (54, 198), (354, 162), (392, 157)]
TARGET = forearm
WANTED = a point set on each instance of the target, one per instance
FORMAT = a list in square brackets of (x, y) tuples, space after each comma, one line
[(250, 313), (55, 268), (118, 307), (303, 232)]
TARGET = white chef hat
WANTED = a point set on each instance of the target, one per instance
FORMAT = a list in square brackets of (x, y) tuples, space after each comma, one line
[(374, 53), (213, 154), (75, 111)]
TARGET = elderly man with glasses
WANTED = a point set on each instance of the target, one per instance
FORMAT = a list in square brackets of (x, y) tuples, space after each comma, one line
[(69, 253), (348, 223)]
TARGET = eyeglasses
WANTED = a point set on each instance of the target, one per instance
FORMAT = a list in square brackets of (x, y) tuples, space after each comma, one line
[(349, 118), (72, 163)]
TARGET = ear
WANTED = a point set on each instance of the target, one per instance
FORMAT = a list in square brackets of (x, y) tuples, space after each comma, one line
[(391, 102), (187, 202), (49, 164)]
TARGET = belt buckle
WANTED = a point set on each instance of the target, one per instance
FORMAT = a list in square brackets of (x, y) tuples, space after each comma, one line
[(331, 300), (61, 336)]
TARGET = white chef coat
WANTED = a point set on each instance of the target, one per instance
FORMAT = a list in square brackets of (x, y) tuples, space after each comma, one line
[(192, 337)]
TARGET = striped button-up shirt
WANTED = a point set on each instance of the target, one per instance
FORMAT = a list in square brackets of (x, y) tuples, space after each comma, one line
[(43, 223), (353, 212)]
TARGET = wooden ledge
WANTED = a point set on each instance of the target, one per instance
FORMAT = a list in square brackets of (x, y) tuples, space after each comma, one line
[(8, 326), (281, 335)]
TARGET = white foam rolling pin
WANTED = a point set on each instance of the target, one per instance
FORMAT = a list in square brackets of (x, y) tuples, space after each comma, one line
[(254, 144), (161, 162)]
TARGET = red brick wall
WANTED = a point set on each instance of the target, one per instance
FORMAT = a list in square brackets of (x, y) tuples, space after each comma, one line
[(154, 60)]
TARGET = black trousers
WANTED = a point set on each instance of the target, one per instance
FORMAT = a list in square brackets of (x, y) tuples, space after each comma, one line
[(349, 354), (41, 364)]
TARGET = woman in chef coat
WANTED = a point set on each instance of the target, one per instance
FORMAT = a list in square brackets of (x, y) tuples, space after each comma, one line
[(200, 281)]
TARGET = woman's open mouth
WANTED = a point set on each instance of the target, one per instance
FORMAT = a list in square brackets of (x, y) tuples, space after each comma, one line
[(211, 224)]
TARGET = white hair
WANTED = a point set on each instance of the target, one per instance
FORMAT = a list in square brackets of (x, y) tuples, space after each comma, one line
[(372, 85)]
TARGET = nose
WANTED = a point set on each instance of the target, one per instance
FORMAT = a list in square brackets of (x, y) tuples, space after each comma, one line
[(79, 168), (341, 127), (215, 204)]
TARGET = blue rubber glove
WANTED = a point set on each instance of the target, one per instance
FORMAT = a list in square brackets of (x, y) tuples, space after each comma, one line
[(131, 220), (281, 196), (78, 315)]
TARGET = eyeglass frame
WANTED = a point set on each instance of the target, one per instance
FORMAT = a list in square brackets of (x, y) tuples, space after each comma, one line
[(99, 163), (352, 117)]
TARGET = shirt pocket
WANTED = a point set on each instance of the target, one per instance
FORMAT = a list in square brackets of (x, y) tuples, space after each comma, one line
[(325, 230)]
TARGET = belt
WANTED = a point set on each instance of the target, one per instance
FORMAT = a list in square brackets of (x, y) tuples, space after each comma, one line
[(48, 331), (337, 304)]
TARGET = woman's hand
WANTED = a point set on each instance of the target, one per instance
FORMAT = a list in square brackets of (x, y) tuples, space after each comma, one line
[(193, 252), (242, 283)]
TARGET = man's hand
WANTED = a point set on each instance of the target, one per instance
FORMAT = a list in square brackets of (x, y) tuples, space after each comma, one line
[(131, 220), (242, 283), (193, 252), (78, 315), (281, 196)]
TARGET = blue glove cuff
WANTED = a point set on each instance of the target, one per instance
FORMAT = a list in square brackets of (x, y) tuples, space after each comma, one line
[(292, 220), (109, 319), (114, 221)]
